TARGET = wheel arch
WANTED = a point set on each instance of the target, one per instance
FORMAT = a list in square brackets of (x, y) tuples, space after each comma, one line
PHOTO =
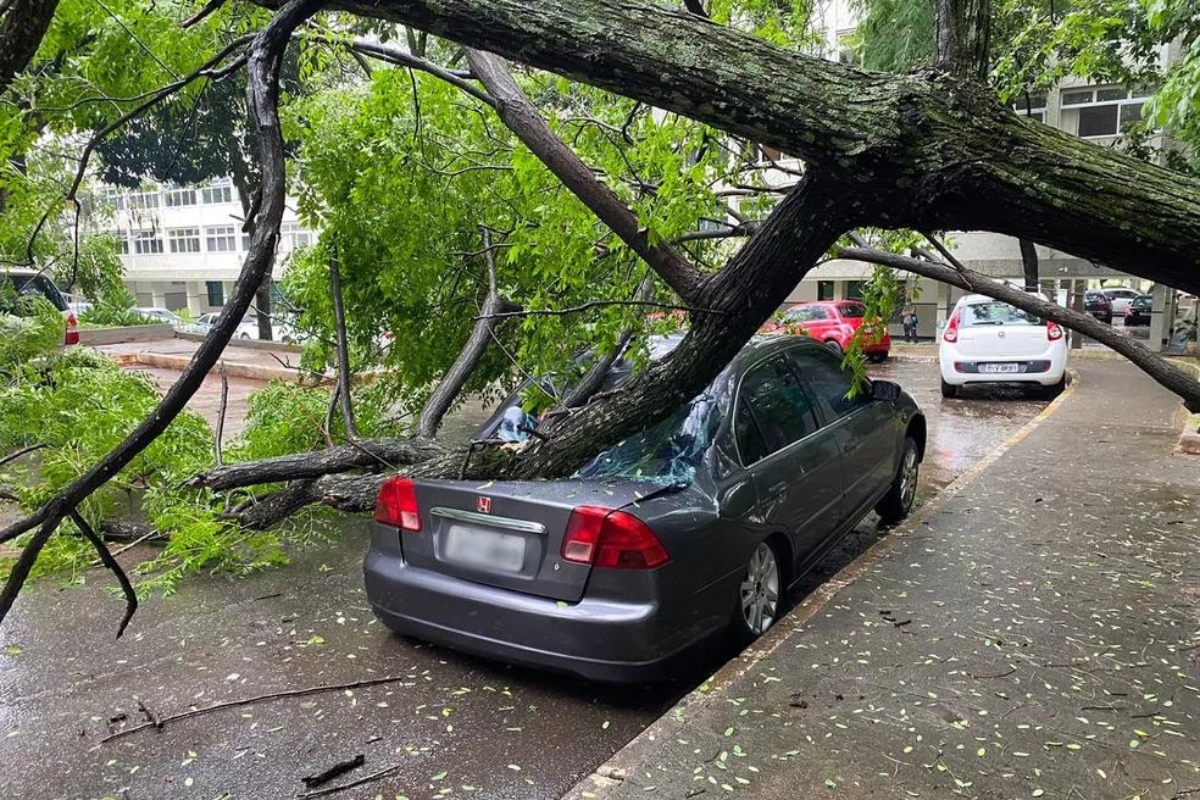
[(918, 430)]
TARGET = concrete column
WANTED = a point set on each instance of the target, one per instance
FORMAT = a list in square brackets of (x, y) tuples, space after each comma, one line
[(158, 295), (1161, 317), (197, 297), (942, 309)]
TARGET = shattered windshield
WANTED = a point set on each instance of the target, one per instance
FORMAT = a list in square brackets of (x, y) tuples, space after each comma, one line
[(667, 453)]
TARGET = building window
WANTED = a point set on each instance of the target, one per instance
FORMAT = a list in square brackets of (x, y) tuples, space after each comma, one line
[(1103, 112), (216, 293), (854, 290), (1031, 105), (217, 193), (246, 242), (291, 236), (825, 290), (220, 240), (142, 200), (146, 243), (123, 243), (184, 240), (180, 197)]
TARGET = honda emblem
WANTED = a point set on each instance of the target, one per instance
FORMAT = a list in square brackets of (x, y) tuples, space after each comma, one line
[(484, 504)]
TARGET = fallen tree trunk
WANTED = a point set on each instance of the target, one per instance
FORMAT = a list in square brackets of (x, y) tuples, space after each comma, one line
[(1164, 372), (925, 151)]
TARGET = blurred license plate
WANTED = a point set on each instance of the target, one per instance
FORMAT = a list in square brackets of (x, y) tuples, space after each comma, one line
[(999, 367), (484, 549)]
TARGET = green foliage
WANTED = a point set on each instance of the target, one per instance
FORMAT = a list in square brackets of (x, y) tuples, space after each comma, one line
[(114, 309), (894, 35), (33, 332)]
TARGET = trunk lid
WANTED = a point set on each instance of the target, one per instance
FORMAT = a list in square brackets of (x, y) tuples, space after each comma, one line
[(997, 330), (509, 534)]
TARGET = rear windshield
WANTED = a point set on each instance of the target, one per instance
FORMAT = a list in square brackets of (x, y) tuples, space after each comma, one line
[(853, 310), (996, 313), (15, 286), (667, 453)]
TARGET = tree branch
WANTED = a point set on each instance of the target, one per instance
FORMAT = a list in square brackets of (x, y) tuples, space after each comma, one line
[(593, 380), (451, 385), (107, 559), (343, 345), (961, 33), (523, 119), (263, 94), (1158, 368), (209, 9)]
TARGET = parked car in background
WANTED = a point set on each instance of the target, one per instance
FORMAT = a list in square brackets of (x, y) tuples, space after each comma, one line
[(1121, 298), (987, 341), (161, 315), (1096, 303), (834, 323), (1138, 312), (246, 329), (17, 282), (670, 539)]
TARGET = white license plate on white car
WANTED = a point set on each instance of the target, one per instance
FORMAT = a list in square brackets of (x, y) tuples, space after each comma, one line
[(999, 368), (482, 549)]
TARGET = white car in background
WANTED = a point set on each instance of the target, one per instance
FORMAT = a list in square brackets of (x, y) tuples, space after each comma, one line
[(1121, 298), (246, 329), (987, 341)]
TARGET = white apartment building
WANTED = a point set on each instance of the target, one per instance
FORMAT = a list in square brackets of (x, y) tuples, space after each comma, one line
[(183, 247), (1095, 113)]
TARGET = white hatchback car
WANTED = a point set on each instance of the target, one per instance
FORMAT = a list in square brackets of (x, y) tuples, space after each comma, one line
[(987, 341)]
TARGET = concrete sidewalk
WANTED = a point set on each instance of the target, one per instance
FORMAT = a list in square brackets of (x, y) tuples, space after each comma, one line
[(1035, 632)]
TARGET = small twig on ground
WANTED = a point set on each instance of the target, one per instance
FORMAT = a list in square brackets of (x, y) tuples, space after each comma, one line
[(337, 770), (1004, 674), (374, 776), (106, 558), (195, 712), (13, 456), (150, 716)]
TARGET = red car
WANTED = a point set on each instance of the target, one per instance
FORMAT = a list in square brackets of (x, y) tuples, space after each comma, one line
[(834, 323)]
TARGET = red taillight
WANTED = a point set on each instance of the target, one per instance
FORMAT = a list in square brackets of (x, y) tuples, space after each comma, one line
[(397, 505), (603, 537), (1053, 331), (951, 332), (72, 329)]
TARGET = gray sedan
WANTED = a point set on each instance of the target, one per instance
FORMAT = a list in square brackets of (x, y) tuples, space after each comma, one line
[(668, 541)]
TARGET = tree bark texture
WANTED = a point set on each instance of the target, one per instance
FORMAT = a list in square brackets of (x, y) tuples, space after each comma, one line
[(960, 37), (1164, 372), (926, 151), (22, 28)]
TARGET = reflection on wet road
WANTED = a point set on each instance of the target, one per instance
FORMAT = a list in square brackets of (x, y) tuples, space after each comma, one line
[(450, 724)]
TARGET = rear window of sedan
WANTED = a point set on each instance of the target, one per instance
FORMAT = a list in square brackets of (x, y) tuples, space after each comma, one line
[(667, 453), (996, 313), (856, 310)]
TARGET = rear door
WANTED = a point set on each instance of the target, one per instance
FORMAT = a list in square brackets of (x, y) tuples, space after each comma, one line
[(795, 464), (865, 428)]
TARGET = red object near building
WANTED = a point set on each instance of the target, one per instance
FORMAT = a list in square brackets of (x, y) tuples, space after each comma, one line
[(834, 322)]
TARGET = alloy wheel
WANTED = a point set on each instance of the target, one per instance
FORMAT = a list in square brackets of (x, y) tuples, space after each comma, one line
[(760, 590), (908, 478)]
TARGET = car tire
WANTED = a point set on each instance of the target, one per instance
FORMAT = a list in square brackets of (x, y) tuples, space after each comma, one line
[(898, 501), (243, 335), (754, 610), (949, 389), (877, 358), (1055, 389), (833, 345)]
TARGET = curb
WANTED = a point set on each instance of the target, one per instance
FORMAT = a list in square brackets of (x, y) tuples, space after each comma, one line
[(612, 773), (232, 369)]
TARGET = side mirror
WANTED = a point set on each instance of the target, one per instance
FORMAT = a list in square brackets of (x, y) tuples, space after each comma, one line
[(885, 390)]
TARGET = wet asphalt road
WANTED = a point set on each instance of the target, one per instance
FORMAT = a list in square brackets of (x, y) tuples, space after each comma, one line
[(449, 725)]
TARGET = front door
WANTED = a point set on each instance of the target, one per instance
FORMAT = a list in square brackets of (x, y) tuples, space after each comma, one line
[(796, 465)]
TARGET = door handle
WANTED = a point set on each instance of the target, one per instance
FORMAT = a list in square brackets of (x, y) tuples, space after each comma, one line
[(777, 488)]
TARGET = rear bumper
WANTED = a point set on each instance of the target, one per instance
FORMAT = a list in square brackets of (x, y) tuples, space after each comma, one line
[(602, 640), (960, 370)]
